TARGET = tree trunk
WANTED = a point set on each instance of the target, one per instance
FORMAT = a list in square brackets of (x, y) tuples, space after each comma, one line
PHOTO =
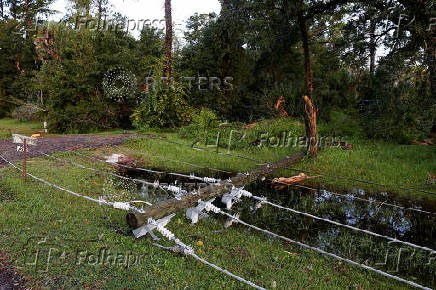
[(168, 40), (136, 220), (305, 38), (372, 43), (1, 10), (14, 9), (312, 140), (100, 13)]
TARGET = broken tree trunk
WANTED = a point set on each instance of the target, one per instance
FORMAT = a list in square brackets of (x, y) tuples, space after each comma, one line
[(164, 208), (312, 140)]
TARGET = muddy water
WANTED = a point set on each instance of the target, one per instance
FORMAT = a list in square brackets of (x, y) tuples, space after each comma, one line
[(406, 224)]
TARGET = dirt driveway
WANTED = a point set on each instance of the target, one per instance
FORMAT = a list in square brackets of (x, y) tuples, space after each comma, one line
[(53, 144)]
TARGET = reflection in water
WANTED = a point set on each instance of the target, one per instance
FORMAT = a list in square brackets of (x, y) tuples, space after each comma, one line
[(411, 226)]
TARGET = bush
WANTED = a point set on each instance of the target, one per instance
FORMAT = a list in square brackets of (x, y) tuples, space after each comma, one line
[(204, 118), (163, 109), (26, 113), (203, 121), (341, 124)]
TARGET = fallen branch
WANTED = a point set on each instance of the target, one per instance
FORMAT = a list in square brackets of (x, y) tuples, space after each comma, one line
[(281, 182)]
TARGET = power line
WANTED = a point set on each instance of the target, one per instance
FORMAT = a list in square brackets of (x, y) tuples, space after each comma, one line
[(211, 207), (191, 176), (351, 197), (342, 225), (177, 190), (101, 201), (236, 194), (188, 250), (203, 179), (187, 163), (260, 162), (361, 181)]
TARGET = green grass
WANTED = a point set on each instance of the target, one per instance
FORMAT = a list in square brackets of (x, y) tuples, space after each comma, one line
[(12, 126), (375, 161), (75, 225)]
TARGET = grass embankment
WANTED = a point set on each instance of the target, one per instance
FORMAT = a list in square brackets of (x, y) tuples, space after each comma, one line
[(375, 161), (74, 225), (12, 126)]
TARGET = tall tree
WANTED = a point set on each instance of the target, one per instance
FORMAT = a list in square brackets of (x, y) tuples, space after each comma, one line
[(305, 14), (305, 39), (168, 40)]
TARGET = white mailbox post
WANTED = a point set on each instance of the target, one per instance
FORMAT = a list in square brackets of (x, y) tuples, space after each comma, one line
[(19, 139)]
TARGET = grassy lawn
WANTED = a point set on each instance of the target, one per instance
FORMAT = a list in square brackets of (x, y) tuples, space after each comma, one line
[(12, 126), (77, 230)]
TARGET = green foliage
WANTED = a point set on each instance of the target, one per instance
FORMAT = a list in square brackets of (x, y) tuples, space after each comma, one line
[(93, 79), (341, 124), (17, 56), (204, 118), (162, 109)]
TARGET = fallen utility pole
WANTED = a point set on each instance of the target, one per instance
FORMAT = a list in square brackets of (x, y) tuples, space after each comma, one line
[(164, 208)]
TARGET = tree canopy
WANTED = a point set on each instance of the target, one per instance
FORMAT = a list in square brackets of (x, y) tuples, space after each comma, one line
[(338, 51)]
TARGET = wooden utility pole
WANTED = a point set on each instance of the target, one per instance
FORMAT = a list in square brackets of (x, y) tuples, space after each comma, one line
[(164, 208), (136, 220)]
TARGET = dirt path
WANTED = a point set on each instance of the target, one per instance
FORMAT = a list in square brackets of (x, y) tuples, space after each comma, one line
[(53, 144), (9, 279)]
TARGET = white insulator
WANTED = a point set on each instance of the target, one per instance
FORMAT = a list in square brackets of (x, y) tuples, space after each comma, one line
[(122, 205), (165, 232), (192, 214), (227, 199), (245, 193), (101, 201), (175, 189), (211, 207), (235, 218), (261, 201), (188, 250), (156, 184), (211, 180), (231, 220)]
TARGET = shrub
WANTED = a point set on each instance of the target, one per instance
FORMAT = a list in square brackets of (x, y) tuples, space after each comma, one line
[(163, 109), (26, 113), (341, 124)]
